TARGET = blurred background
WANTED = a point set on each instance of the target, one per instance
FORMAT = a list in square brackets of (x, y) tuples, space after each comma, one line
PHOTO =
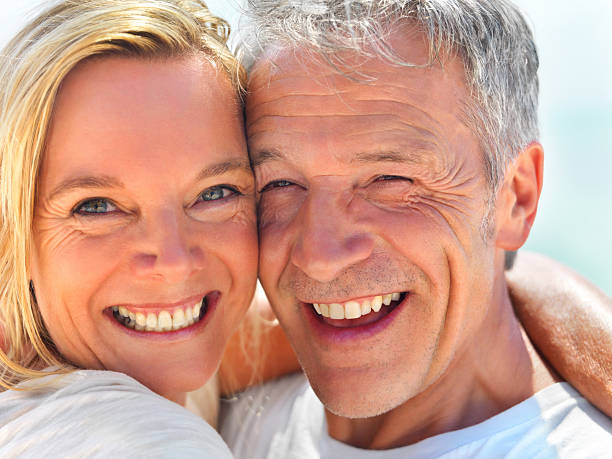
[(574, 222)]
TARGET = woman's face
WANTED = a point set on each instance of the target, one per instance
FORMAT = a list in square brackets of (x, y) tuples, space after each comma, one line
[(145, 243)]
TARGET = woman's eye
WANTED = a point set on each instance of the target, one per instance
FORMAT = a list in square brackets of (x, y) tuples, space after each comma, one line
[(216, 192), (384, 178), (276, 184), (95, 206)]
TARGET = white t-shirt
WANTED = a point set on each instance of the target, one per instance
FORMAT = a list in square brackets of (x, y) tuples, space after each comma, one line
[(284, 419), (100, 414)]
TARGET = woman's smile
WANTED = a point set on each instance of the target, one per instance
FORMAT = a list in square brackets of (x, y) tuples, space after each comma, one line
[(162, 320)]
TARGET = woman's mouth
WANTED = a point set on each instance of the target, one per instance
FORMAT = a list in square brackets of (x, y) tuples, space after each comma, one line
[(160, 320)]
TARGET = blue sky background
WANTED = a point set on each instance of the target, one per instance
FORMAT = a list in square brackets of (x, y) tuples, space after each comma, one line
[(574, 222)]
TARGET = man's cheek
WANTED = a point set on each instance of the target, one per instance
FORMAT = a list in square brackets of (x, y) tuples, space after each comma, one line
[(279, 207), (274, 250)]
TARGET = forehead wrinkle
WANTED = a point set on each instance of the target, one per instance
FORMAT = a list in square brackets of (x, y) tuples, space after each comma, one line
[(401, 127), (405, 106), (286, 100), (386, 116), (308, 104), (417, 145), (400, 132), (396, 95), (291, 87)]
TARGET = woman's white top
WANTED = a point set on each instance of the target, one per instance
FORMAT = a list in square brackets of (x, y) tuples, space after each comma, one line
[(97, 414)]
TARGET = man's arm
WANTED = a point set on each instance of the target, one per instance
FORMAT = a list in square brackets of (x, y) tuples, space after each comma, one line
[(570, 322)]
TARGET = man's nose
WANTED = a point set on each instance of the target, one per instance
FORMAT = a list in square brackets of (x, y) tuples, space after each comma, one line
[(166, 251), (329, 240)]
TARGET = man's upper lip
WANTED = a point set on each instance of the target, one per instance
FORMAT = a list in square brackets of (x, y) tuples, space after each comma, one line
[(361, 298)]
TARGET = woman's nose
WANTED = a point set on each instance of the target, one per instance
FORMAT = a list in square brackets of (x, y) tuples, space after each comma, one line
[(168, 252)]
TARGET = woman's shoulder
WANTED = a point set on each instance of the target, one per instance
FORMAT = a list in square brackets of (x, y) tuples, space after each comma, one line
[(90, 412)]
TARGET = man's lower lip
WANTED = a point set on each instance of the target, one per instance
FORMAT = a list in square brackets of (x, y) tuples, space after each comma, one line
[(351, 329)]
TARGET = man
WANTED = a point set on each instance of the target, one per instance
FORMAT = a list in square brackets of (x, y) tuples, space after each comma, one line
[(396, 156)]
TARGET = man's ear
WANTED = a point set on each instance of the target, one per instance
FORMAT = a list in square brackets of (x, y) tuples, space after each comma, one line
[(517, 201)]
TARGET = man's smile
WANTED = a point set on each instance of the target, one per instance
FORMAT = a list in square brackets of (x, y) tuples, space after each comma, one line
[(356, 308), (375, 313)]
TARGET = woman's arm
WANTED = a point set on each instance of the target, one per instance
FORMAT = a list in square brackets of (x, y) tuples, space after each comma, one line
[(258, 351), (570, 322)]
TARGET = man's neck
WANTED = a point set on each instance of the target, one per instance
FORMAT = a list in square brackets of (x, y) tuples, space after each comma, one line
[(482, 380)]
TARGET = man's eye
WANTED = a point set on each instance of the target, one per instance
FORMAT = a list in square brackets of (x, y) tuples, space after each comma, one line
[(216, 193), (384, 178), (95, 206), (276, 184)]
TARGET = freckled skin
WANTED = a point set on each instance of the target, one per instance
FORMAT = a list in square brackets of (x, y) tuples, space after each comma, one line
[(370, 188), (151, 126)]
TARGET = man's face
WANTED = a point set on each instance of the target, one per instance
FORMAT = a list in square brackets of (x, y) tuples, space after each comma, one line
[(370, 190)]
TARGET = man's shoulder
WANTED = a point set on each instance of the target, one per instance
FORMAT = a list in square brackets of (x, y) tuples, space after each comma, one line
[(250, 420), (285, 419), (572, 425), (556, 422)]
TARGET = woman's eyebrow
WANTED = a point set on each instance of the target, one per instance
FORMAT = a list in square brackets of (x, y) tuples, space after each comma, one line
[(225, 166), (106, 181), (101, 181)]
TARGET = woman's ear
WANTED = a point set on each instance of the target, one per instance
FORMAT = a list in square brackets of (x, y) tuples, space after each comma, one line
[(517, 201)]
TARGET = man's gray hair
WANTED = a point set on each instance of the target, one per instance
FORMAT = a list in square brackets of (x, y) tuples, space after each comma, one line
[(491, 37)]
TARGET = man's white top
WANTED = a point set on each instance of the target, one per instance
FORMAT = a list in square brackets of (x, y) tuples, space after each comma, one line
[(97, 414), (284, 419)]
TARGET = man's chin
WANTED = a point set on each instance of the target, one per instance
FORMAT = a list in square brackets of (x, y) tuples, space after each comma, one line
[(352, 411), (363, 396)]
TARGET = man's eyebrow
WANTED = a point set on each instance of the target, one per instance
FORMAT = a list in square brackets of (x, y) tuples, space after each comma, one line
[(410, 157), (88, 182), (388, 157), (264, 156), (225, 166)]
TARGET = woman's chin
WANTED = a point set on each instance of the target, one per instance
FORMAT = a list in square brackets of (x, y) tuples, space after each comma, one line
[(173, 383)]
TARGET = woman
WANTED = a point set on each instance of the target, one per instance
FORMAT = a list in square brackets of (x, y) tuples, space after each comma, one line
[(129, 232)]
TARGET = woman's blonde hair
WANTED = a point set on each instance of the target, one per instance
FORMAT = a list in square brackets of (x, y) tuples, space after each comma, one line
[(32, 68)]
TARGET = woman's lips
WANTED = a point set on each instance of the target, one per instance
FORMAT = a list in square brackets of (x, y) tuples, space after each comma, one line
[(162, 319)]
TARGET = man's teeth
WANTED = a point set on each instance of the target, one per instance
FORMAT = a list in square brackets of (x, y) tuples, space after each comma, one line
[(161, 321), (355, 309)]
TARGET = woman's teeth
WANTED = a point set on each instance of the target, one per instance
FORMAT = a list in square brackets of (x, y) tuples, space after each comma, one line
[(355, 309), (161, 321)]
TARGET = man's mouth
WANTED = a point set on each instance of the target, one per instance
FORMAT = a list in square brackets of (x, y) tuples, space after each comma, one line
[(366, 308), (160, 320)]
